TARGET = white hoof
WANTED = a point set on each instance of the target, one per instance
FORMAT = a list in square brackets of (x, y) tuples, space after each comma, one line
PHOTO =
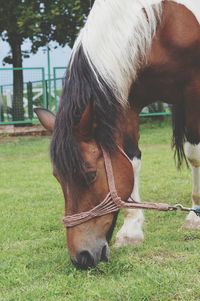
[(192, 222), (125, 239), (131, 233)]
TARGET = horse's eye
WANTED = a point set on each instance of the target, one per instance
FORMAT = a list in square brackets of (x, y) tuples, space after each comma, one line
[(91, 177)]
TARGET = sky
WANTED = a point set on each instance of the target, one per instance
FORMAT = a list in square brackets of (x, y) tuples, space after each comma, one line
[(59, 56)]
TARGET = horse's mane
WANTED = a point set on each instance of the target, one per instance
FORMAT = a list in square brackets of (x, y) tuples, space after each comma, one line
[(81, 88), (105, 61)]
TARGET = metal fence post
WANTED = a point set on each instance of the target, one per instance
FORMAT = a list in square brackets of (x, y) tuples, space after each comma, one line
[(47, 94), (1, 105), (30, 100), (56, 79), (49, 76), (44, 89), (55, 89)]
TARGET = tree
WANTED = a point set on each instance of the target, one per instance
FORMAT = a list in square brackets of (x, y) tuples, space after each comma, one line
[(40, 22), (14, 32), (64, 18)]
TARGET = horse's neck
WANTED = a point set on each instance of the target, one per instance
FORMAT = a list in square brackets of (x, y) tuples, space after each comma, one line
[(129, 133)]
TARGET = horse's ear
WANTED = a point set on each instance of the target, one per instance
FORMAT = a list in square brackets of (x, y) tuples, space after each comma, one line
[(46, 118), (86, 127)]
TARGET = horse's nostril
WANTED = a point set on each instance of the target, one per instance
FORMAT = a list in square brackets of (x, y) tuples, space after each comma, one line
[(104, 254), (85, 260)]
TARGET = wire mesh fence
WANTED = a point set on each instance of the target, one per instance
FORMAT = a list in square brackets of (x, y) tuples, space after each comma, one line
[(22, 89), (157, 109), (59, 78)]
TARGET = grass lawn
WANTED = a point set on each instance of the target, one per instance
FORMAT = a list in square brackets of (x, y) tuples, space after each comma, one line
[(34, 264)]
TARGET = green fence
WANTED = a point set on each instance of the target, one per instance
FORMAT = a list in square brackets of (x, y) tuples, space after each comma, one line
[(157, 109), (58, 79), (22, 89)]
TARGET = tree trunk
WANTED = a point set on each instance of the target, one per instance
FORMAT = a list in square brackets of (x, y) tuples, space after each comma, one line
[(18, 107)]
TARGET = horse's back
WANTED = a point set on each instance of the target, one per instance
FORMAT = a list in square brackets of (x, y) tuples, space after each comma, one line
[(174, 61), (180, 29), (175, 50)]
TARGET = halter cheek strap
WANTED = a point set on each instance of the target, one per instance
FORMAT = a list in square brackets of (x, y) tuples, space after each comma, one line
[(113, 202), (110, 178)]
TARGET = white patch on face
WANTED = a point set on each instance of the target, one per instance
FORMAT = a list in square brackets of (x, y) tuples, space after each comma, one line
[(131, 231), (116, 39), (192, 153)]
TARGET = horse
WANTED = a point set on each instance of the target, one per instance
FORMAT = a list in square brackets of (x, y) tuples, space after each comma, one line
[(128, 55)]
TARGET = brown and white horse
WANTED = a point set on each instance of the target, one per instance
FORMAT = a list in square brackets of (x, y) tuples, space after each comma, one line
[(129, 54)]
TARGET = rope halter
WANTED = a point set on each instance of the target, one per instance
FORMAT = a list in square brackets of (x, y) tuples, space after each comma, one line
[(113, 202)]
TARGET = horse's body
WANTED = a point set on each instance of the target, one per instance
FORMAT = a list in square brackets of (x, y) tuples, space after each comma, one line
[(173, 75), (144, 52)]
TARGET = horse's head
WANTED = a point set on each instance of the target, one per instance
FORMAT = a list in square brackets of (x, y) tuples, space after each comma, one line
[(88, 241)]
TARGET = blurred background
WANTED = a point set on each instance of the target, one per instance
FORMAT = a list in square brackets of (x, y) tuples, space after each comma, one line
[(36, 37)]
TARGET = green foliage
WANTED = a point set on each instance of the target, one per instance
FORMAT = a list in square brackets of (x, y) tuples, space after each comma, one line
[(41, 21), (12, 26), (59, 21), (34, 263)]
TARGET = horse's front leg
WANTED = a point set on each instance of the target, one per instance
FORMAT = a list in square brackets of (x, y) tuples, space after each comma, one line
[(192, 152), (131, 232)]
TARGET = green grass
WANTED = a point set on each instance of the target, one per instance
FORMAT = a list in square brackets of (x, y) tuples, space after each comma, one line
[(34, 264)]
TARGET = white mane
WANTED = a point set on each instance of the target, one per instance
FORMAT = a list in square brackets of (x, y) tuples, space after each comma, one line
[(116, 40)]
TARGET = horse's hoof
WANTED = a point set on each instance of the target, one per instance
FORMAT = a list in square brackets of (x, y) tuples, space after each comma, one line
[(126, 240), (192, 225), (192, 222)]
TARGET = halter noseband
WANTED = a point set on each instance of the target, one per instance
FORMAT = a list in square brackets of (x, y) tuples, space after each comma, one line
[(113, 202)]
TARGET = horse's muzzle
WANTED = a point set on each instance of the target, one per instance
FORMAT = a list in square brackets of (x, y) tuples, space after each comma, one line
[(86, 259)]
